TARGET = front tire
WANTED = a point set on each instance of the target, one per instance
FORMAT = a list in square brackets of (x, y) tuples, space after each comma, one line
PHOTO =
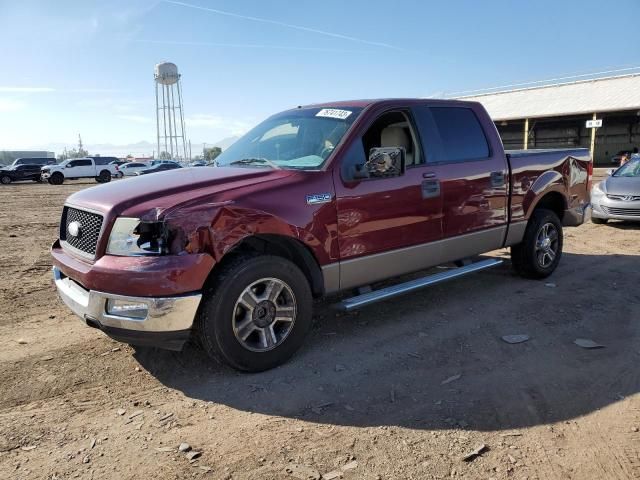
[(539, 253), (255, 313), (5, 179), (56, 179)]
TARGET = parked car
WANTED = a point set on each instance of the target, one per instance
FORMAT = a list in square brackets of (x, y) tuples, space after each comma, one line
[(18, 173), (312, 201), (618, 196), (34, 161), (199, 163), (118, 162), (159, 167), (158, 162), (131, 168), (77, 168)]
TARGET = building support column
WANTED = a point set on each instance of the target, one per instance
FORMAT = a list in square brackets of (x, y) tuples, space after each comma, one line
[(526, 133), (592, 149)]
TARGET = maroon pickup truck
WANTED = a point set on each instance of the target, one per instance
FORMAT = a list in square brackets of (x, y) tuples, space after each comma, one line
[(314, 200)]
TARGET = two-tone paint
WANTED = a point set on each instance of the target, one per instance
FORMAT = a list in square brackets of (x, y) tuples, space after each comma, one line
[(352, 232)]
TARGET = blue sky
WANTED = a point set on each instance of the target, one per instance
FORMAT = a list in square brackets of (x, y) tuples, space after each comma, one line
[(86, 67)]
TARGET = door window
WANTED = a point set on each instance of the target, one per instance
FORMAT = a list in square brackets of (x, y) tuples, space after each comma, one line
[(391, 129), (459, 135)]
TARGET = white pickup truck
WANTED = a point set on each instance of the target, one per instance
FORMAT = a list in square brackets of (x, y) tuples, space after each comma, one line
[(78, 168)]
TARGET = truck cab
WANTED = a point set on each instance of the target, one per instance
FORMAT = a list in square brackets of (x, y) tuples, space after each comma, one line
[(315, 200)]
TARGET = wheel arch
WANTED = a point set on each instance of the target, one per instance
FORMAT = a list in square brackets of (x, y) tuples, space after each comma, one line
[(283, 246), (552, 200)]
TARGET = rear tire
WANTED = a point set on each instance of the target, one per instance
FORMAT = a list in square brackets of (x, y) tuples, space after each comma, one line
[(56, 179), (104, 176), (5, 179), (255, 313), (539, 253), (598, 221)]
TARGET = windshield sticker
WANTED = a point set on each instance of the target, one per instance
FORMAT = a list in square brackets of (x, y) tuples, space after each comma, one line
[(334, 113)]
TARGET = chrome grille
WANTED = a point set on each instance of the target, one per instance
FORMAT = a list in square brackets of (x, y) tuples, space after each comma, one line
[(624, 198), (628, 212), (90, 225)]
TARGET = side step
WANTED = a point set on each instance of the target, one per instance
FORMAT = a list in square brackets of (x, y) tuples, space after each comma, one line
[(389, 292)]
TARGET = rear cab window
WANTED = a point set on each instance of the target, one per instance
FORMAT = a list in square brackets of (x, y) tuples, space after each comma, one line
[(451, 134)]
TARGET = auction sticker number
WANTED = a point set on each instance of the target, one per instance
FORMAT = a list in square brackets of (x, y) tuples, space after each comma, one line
[(333, 113)]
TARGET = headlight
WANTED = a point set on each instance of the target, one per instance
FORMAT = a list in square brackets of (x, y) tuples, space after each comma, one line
[(597, 190), (131, 237)]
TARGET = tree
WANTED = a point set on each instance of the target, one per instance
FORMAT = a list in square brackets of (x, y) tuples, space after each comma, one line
[(210, 154), (79, 152), (73, 153), (164, 156)]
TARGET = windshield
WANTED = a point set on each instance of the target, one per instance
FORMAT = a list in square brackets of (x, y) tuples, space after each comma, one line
[(296, 139), (629, 169)]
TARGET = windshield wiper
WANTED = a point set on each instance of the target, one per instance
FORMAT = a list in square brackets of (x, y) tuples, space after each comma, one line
[(252, 161)]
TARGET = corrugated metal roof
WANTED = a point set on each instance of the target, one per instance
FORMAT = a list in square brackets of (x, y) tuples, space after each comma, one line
[(584, 97)]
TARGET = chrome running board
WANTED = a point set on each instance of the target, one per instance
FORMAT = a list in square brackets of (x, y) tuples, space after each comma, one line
[(412, 285)]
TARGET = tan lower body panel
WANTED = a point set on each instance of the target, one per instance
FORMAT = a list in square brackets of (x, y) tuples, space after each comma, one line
[(380, 266)]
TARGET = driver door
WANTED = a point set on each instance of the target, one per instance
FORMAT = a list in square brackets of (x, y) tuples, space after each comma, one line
[(384, 223)]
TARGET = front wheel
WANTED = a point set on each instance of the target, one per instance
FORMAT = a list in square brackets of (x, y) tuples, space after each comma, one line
[(256, 312), (56, 179), (5, 179), (538, 255)]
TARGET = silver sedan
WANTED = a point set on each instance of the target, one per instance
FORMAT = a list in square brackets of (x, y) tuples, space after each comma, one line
[(618, 196)]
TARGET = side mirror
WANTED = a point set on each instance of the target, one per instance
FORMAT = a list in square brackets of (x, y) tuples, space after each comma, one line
[(383, 162), (611, 172), (67, 165)]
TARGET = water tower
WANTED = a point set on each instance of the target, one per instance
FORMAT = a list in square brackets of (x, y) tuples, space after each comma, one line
[(169, 124)]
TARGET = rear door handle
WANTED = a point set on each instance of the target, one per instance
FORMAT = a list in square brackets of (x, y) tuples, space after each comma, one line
[(497, 179), (430, 188), (428, 175)]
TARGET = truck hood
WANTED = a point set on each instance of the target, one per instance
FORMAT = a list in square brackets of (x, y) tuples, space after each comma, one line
[(165, 190), (622, 185)]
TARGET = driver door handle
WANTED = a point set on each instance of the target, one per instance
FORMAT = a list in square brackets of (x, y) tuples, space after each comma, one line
[(430, 188), (428, 175)]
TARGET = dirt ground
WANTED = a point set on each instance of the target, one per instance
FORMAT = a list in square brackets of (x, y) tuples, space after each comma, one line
[(400, 390)]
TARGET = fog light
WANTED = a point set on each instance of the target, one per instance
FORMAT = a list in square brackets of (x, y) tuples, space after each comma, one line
[(124, 308)]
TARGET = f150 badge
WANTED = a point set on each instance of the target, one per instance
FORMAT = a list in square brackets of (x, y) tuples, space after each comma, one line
[(317, 198)]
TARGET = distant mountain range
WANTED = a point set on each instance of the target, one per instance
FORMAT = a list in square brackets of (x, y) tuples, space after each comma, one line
[(138, 149)]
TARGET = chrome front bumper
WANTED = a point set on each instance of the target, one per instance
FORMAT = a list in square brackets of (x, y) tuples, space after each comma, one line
[(166, 323)]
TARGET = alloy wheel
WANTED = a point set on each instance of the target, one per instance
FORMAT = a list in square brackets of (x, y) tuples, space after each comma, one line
[(547, 245), (264, 315)]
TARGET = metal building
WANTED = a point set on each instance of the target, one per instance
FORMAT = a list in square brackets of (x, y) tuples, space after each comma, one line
[(556, 115), (171, 136)]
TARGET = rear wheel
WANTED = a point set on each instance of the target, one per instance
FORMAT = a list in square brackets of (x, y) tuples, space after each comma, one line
[(538, 255), (56, 179), (104, 176), (5, 179), (598, 221), (256, 312)]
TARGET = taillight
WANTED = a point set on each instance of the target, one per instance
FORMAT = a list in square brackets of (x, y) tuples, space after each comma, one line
[(117, 168), (589, 175)]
